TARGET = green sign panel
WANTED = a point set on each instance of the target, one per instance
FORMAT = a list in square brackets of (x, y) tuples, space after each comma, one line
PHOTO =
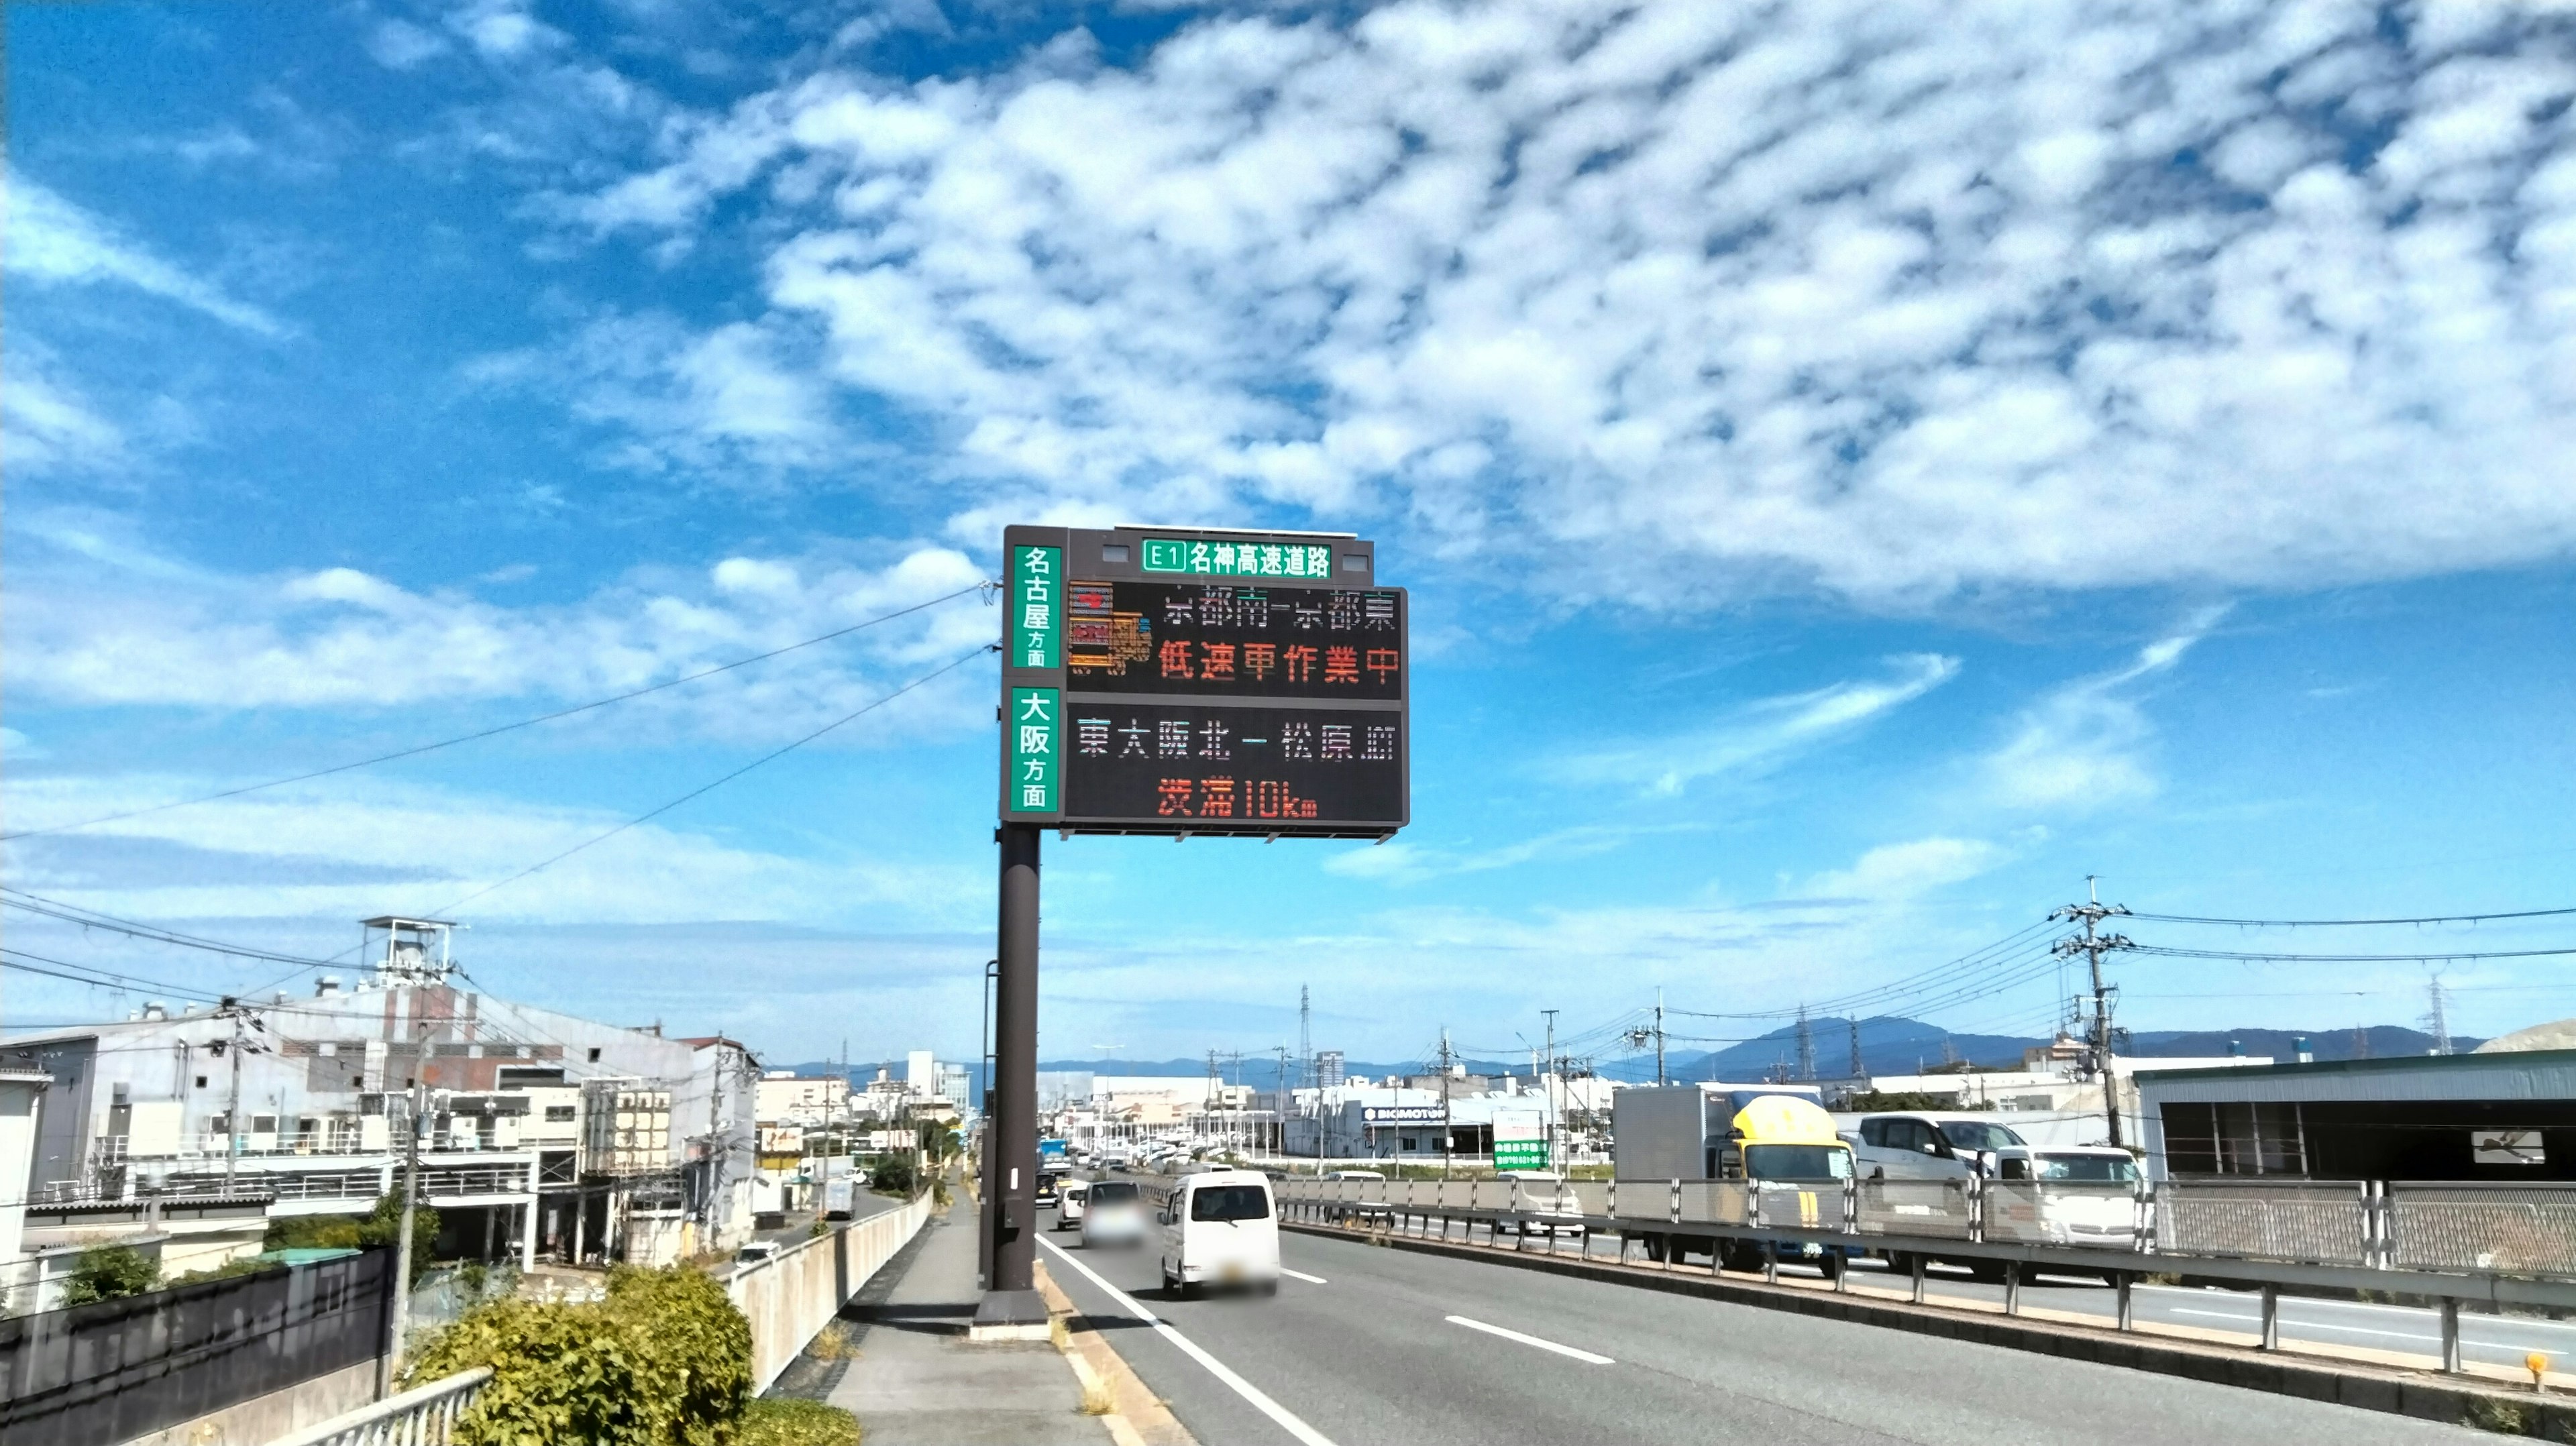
[(1236, 559), (1037, 607), (1037, 751), (1520, 1154)]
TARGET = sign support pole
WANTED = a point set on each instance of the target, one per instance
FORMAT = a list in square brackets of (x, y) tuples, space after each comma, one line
[(1011, 1308)]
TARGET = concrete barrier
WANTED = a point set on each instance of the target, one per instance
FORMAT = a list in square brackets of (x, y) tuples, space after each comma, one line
[(792, 1295)]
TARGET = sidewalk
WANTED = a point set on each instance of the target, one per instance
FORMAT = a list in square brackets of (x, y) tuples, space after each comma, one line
[(917, 1382)]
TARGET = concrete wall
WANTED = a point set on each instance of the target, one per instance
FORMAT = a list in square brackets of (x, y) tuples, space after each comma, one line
[(279, 1413), (791, 1296)]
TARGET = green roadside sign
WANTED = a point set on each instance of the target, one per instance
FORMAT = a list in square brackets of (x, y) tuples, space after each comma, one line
[(1520, 1154)]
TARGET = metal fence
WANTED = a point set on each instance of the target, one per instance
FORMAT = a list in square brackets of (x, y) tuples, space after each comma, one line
[(422, 1416), (118, 1369), (2315, 1222), (2507, 1229), (1943, 1209)]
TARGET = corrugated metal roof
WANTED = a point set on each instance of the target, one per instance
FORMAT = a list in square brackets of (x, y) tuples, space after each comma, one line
[(2541, 1074)]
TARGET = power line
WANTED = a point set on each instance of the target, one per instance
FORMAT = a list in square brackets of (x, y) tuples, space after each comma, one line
[(91, 919), (418, 749), (2420, 957), (717, 783), (2346, 923)]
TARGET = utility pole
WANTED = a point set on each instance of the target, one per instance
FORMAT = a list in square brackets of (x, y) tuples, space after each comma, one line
[(1011, 1304), (1282, 1098), (240, 1014), (1445, 1141), (401, 1324), (1305, 1037), (1551, 1083), (2093, 945)]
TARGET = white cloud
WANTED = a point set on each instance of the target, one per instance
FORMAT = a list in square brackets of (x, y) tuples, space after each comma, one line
[(1766, 732), (1689, 300), (400, 45), (2084, 746), (53, 241), (359, 847), (1900, 871), (1409, 862), (713, 403), (125, 626), (48, 426)]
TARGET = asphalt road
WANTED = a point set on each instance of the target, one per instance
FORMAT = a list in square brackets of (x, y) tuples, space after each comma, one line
[(1365, 1344), (2488, 1339)]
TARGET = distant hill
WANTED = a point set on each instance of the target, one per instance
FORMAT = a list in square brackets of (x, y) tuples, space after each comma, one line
[(1889, 1044)]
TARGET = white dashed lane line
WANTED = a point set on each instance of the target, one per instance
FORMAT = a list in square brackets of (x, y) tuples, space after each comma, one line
[(1586, 1357)]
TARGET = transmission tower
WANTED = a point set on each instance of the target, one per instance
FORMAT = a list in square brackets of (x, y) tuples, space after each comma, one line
[(1806, 1045), (2437, 1020), (2093, 944), (1858, 1069)]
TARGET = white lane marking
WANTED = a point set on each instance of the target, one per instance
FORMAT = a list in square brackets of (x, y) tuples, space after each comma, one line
[(2313, 1325), (1513, 1335), (2405, 1311), (1301, 1275), (1261, 1402)]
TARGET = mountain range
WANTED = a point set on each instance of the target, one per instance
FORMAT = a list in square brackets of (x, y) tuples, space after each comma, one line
[(1889, 1045)]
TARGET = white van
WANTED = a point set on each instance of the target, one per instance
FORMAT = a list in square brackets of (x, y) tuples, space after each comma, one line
[(1220, 1228), (1929, 1145), (1071, 1198), (1543, 1204)]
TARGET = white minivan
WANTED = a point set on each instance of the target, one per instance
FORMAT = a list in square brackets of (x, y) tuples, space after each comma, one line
[(1219, 1228)]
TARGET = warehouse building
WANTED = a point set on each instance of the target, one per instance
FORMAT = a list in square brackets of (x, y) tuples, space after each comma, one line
[(2501, 1114)]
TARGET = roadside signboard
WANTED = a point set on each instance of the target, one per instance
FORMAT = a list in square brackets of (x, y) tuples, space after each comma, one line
[(1176, 681), (1520, 1145)]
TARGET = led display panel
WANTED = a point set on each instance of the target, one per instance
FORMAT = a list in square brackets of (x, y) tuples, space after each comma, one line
[(1261, 691)]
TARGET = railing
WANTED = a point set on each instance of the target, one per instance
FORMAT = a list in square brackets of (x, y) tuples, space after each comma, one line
[(2490, 1230), (2508, 1229), (792, 1295), (2317, 1222), (1945, 1209), (421, 1416)]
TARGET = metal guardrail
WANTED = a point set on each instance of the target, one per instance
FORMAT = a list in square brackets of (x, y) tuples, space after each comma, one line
[(2499, 1246), (2499, 1230), (422, 1416)]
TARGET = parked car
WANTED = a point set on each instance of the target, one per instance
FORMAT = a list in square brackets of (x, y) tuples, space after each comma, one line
[(1929, 1146), (1220, 1228)]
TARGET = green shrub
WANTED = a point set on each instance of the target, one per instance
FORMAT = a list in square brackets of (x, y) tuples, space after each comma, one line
[(380, 1226), (110, 1272), (895, 1175), (665, 1360), (796, 1423)]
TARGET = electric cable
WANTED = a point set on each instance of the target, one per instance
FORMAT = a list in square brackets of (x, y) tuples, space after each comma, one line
[(2351, 923), (418, 749), (716, 783)]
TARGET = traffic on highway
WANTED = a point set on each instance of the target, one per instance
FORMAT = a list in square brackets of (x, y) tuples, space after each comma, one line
[(1350, 1342)]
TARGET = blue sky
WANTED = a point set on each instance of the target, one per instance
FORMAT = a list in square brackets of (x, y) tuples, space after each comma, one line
[(1859, 468)]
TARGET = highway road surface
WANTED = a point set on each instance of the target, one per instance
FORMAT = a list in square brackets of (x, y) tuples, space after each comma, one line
[(2408, 1330), (1368, 1345)]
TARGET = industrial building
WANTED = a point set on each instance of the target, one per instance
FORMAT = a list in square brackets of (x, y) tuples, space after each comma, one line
[(2500, 1114), (539, 1132)]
